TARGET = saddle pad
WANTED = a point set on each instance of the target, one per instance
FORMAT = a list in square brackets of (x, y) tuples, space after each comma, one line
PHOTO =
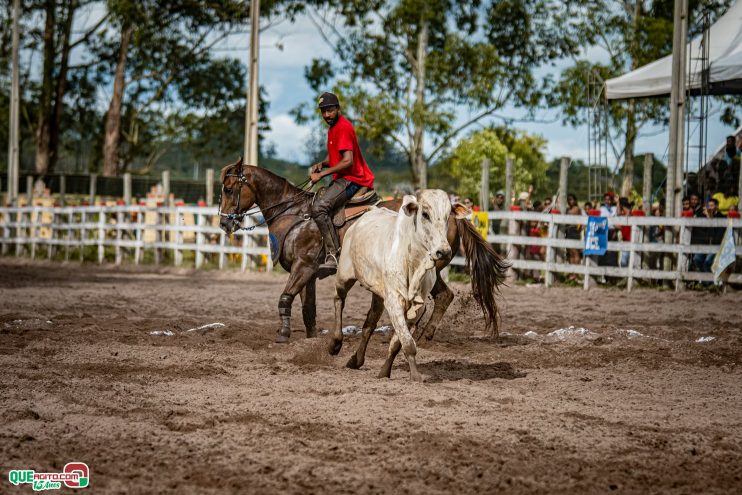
[(349, 213)]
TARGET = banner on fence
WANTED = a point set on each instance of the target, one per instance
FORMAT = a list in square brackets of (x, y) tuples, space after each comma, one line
[(480, 219), (596, 236)]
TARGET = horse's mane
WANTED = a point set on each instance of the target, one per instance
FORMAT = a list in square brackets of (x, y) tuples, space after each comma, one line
[(272, 175)]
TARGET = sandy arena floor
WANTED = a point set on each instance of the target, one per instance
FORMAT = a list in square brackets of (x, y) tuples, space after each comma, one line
[(228, 411)]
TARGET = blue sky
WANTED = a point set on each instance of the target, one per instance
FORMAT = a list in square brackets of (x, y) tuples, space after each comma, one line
[(282, 73)]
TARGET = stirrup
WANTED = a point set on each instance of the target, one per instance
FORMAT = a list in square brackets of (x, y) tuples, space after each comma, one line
[(329, 267)]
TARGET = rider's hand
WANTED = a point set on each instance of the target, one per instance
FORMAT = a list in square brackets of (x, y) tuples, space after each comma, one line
[(315, 177)]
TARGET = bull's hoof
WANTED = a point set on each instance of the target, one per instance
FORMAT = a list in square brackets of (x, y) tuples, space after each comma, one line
[(334, 347), (281, 338), (353, 363), (417, 377)]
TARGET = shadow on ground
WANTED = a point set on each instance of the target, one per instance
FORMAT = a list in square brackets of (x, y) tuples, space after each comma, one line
[(453, 370)]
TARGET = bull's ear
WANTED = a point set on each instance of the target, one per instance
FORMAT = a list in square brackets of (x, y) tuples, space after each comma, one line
[(409, 205), (460, 210)]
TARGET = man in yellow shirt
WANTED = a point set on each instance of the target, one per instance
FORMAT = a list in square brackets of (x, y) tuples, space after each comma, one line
[(726, 199)]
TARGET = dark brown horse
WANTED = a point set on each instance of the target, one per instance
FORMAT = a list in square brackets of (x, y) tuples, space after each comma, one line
[(299, 242)]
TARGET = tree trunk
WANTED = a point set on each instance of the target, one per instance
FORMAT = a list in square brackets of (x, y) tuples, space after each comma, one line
[(45, 103), (61, 88), (417, 158), (113, 117)]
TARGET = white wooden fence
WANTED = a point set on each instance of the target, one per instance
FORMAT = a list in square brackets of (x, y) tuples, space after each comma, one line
[(119, 233), (513, 237), (131, 233)]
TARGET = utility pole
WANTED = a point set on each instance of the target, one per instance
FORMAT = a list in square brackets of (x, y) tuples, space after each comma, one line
[(13, 137), (251, 113), (677, 108)]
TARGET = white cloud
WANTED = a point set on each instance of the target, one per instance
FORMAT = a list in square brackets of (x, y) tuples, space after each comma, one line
[(289, 138)]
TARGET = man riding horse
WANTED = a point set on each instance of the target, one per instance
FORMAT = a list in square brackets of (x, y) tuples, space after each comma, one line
[(349, 174)]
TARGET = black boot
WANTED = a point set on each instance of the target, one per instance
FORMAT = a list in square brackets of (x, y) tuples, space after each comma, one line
[(332, 249)]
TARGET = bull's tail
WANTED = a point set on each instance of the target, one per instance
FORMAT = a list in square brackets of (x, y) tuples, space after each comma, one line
[(487, 269)]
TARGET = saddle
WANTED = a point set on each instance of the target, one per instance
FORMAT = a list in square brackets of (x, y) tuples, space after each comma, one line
[(356, 206)]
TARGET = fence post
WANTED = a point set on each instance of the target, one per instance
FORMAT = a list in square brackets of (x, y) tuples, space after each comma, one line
[(199, 239), (222, 243), (62, 189), (551, 234), (29, 189), (101, 233), (484, 190), (508, 182), (93, 183), (178, 254), (127, 188), (158, 234), (33, 218), (68, 240), (209, 186), (637, 237), (51, 249), (119, 235), (166, 186), (138, 248), (682, 268), (83, 234)]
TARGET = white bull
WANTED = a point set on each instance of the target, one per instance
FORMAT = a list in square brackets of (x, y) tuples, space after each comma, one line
[(393, 255)]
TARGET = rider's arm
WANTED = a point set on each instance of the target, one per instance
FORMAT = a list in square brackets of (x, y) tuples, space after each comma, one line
[(345, 162)]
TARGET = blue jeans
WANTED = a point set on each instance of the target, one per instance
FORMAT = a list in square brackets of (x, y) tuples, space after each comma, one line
[(703, 262)]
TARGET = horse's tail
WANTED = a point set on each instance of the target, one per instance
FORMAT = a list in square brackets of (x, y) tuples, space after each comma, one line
[(487, 269)]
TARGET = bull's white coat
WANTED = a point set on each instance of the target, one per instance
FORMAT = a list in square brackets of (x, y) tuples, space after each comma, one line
[(393, 255)]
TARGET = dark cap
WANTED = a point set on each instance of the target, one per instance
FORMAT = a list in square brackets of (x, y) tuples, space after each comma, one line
[(328, 100)]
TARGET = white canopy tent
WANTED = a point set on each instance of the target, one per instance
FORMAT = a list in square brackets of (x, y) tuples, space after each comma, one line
[(725, 65)]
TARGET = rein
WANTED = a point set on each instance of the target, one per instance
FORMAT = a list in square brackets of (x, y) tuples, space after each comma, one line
[(237, 215)]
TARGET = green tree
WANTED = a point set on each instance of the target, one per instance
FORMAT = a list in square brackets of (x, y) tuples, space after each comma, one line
[(463, 166), (408, 68), (632, 34)]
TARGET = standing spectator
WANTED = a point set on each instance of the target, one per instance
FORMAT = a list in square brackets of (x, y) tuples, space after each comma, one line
[(624, 209), (524, 199), (686, 204), (708, 236), (547, 204), (695, 204), (587, 207), (731, 151), (726, 199), (498, 204), (608, 208)]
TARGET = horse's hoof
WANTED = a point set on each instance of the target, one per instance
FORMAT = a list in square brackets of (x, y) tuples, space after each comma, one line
[(334, 347), (385, 373), (353, 363), (281, 339)]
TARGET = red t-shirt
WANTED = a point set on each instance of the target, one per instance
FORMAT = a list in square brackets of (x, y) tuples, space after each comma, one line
[(342, 137)]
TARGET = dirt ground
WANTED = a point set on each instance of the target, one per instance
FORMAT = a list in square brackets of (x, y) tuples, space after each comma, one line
[(228, 411)]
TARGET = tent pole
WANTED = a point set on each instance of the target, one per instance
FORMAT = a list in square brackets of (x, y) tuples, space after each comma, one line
[(677, 107)]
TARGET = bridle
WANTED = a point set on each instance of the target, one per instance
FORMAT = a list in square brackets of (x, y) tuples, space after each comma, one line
[(237, 215)]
